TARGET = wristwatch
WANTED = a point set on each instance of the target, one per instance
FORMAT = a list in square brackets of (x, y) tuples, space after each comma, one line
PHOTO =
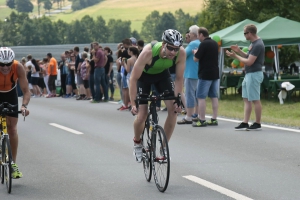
[(24, 105)]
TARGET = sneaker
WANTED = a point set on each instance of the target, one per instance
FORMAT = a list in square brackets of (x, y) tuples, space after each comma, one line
[(165, 109), (94, 101), (80, 98), (212, 122), (242, 127), (111, 99), (137, 152), (195, 119), (15, 172), (123, 108), (120, 102), (254, 127), (199, 124), (195, 115), (67, 96), (184, 121)]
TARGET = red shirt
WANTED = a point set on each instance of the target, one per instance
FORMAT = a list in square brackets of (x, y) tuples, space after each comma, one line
[(101, 58)]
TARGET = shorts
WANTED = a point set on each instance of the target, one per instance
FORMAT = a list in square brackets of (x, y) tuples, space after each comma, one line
[(207, 88), (69, 79), (190, 92), (79, 79), (162, 82), (12, 98), (251, 86), (34, 80), (124, 82), (86, 84)]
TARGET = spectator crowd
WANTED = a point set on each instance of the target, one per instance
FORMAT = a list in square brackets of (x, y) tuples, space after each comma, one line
[(89, 75)]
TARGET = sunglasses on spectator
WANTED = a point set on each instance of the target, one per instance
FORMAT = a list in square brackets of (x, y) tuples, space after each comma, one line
[(6, 64), (172, 48)]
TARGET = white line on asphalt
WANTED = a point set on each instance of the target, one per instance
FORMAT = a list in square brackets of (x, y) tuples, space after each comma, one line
[(239, 121), (217, 188), (263, 125), (66, 129)]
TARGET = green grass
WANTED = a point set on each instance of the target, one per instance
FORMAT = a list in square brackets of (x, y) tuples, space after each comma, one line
[(133, 10), (232, 106)]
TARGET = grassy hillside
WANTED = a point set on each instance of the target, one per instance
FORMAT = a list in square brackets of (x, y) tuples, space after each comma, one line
[(133, 10)]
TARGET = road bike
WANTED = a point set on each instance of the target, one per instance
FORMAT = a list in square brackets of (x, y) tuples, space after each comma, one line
[(156, 156), (5, 149)]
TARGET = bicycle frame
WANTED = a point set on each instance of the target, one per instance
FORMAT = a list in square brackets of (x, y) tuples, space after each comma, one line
[(157, 143)]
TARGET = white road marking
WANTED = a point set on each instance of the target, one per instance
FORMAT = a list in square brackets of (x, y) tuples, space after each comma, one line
[(66, 128), (217, 188), (239, 121), (263, 125)]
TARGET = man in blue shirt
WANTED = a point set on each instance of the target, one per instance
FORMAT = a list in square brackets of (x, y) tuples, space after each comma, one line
[(190, 76)]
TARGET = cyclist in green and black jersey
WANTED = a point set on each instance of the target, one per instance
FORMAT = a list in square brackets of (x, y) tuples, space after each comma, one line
[(150, 68)]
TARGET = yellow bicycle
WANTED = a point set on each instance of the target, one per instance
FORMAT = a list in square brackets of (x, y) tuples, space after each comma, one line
[(5, 149)]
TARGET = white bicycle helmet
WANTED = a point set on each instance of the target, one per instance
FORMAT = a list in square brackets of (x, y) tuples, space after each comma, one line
[(7, 55), (173, 37)]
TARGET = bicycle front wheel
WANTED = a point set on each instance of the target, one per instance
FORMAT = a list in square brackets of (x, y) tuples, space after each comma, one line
[(160, 158), (147, 151), (6, 169)]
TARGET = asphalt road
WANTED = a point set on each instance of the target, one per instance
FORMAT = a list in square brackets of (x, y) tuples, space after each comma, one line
[(97, 161)]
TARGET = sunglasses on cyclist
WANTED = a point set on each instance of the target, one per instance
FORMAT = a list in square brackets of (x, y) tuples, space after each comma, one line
[(172, 48), (6, 64)]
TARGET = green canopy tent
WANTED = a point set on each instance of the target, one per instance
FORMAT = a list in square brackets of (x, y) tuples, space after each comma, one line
[(235, 28), (274, 32)]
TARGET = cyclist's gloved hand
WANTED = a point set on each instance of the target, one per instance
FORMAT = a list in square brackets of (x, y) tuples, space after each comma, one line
[(134, 110)]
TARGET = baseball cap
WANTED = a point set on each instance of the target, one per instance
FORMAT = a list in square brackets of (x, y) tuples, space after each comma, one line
[(133, 40)]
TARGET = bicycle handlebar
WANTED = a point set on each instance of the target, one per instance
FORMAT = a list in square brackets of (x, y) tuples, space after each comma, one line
[(7, 108), (163, 96)]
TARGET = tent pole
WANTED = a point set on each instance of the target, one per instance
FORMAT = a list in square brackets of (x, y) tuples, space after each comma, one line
[(221, 64), (276, 58)]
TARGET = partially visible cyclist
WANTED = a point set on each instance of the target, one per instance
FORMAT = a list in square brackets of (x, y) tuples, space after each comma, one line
[(150, 68), (11, 72)]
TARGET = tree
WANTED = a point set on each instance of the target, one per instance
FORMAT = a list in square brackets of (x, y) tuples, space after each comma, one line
[(88, 26), (39, 2), (76, 5), (27, 36), (24, 6), (183, 21), (11, 4), (135, 34), (61, 28), (45, 31), (166, 21), (47, 5), (76, 33), (119, 30), (100, 32), (149, 27)]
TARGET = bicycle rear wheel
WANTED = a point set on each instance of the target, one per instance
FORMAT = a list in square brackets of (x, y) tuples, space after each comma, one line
[(147, 151), (6, 169), (160, 159)]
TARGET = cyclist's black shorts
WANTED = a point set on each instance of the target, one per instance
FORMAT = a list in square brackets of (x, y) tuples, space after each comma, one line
[(162, 83), (12, 98)]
